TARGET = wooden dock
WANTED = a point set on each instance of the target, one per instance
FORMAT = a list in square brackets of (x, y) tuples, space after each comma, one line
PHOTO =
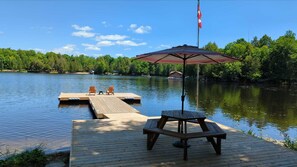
[(85, 96), (103, 105), (119, 141)]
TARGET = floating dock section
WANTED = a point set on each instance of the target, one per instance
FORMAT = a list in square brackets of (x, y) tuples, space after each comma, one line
[(86, 96), (104, 104)]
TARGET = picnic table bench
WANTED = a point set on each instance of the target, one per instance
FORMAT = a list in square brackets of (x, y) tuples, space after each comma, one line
[(154, 127)]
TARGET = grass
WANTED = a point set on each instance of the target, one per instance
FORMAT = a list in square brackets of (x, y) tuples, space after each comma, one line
[(250, 132), (34, 158), (289, 143), (31, 158), (60, 156)]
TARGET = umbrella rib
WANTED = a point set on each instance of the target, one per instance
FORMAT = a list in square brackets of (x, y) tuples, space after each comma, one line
[(197, 55), (175, 56), (210, 58), (193, 55), (161, 58), (228, 57), (167, 56)]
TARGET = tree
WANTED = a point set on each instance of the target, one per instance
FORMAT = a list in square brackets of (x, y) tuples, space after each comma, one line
[(139, 67), (208, 69), (159, 69), (261, 58), (283, 57), (122, 65), (36, 65), (265, 40), (290, 34), (262, 54), (255, 42), (61, 65), (1, 61), (101, 65), (212, 47), (51, 59)]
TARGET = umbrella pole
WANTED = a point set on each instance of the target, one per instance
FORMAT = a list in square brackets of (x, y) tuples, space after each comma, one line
[(183, 89), (182, 125)]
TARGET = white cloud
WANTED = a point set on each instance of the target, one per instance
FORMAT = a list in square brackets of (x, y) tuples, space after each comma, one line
[(105, 43), (114, 37), (83, 34), (67, 49), (84, 28), (133, 26), (83, 31), (90, 47), (141, 29), (129, 43)]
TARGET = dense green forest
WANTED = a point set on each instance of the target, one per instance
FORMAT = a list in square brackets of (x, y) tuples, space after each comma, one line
[(262, 59)]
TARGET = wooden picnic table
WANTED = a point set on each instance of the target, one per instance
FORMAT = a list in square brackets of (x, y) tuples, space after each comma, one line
[(154, 127)]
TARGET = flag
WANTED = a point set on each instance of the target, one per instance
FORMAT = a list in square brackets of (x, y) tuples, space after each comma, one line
[(199, 15)]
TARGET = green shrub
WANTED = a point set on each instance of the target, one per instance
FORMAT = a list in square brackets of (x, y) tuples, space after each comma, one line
[(250, 132), (32, 158), (290, 143)]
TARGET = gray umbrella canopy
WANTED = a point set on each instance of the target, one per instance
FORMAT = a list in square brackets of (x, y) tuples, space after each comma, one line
[(185, 54)]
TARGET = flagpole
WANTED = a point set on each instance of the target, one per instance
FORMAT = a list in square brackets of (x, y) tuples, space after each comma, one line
[(198, 68), (198, 34)]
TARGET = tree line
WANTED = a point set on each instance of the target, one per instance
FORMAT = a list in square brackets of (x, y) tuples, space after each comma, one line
[(261, 59)]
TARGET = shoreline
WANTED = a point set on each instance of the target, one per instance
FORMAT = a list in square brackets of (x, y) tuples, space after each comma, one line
[(211, 80), (16, 71)]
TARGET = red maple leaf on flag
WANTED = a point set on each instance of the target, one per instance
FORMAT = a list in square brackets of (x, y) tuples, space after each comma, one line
[(199, 15)]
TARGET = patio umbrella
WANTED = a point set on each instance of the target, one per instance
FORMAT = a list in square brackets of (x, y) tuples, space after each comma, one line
[(185, 54)]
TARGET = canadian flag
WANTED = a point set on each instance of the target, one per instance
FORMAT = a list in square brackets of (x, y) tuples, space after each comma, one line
[(199, 15)]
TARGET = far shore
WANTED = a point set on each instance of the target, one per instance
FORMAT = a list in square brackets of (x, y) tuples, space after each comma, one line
[(17, 71), (266, 81)]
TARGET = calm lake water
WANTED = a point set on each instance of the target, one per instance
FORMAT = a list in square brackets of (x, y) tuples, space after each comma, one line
[(30, 113)]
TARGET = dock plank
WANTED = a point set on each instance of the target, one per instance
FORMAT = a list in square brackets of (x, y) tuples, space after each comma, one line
[(103, 105)]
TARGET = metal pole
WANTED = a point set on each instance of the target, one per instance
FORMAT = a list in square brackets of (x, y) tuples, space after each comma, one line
[(183, 91), (198, 33), (198, 68)]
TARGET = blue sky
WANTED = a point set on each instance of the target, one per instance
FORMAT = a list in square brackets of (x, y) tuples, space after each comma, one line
[(132, 27)]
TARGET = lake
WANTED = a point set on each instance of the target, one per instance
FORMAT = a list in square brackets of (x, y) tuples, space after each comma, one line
[(30, 113)]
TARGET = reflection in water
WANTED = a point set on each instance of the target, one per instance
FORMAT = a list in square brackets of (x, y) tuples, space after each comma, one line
[(30, 113), (258, 107)]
